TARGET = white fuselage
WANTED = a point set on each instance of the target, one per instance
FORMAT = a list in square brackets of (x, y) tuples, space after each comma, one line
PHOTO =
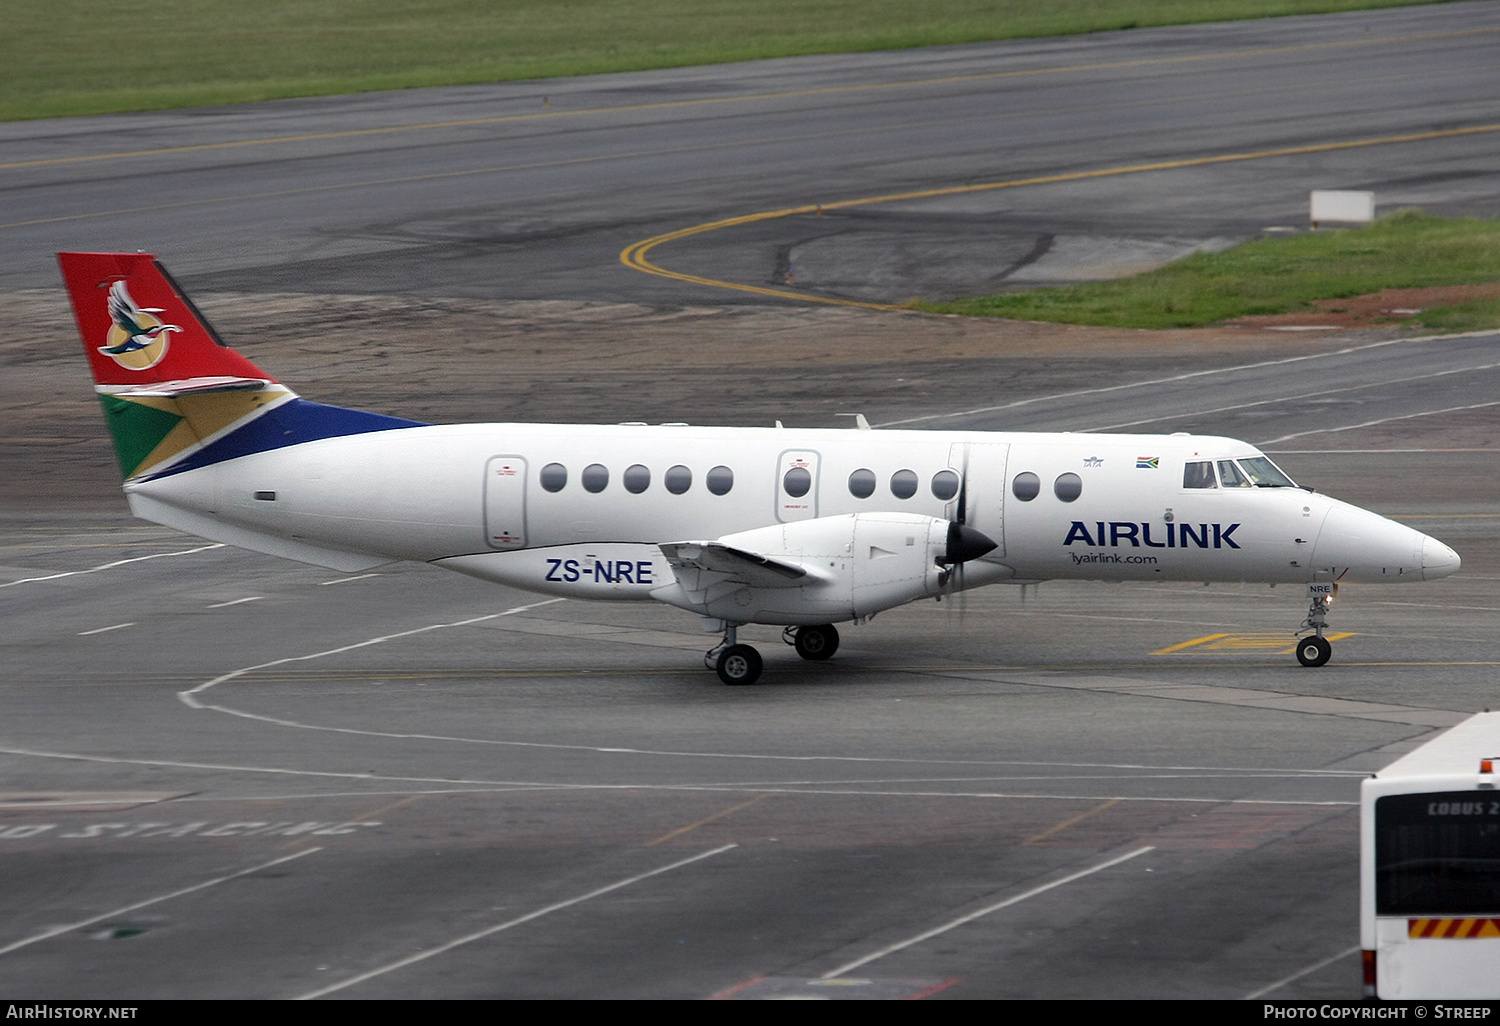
[(583, 510)]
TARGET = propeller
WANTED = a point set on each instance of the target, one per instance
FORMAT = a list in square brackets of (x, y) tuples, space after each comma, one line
[(963, 544)]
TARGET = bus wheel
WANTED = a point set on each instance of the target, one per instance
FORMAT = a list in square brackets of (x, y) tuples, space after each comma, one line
[(1314, 651)]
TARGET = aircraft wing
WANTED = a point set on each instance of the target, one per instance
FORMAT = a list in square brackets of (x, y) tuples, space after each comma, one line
[(737, 565)]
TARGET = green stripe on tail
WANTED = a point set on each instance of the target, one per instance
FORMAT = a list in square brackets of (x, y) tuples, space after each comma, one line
[(137, 430)]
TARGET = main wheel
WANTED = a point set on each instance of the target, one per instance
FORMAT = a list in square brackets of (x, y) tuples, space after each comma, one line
[(816, 643), (1314, 651), (738, 664)]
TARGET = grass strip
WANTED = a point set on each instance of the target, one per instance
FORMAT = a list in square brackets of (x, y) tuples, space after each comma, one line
[(1406, 249), (1480, 315), (103, 56)]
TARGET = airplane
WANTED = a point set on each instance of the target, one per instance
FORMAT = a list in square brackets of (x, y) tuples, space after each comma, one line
[(798, 528)]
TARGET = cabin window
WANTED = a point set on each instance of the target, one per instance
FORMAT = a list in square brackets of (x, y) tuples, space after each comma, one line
[(797, 482), (636, 479), (1067, 487), (1230, 476), (1026, 486), (595, 477), (554, 477), (862, 483), (719, 480), (678, 479), (945, 484), (904, 484), (1265, 474), (1198, 475)]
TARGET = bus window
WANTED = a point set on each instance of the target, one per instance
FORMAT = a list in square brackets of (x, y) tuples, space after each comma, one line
[(1437, 853)]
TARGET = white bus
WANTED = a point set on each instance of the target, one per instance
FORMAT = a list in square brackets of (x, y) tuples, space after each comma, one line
[(1430, 869)]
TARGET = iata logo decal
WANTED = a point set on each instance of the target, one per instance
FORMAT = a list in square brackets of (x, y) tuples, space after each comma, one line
[(138, 338)]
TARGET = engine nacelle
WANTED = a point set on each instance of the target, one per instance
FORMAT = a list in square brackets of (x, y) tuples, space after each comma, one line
[(825, 570)]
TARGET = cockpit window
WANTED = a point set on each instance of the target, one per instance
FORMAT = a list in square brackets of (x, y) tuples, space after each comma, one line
[(1265, 474), (1199, 475), (1230, 475)]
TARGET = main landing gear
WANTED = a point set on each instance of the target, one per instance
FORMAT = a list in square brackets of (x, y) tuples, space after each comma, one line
[(733, 662), (815, 643), (738, 664), (1316, 649)]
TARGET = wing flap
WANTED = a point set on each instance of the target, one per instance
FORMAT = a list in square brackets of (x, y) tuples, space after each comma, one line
[(737, 565)]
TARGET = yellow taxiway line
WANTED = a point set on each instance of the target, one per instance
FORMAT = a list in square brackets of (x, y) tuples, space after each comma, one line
[(1222, 642), (634, 255)]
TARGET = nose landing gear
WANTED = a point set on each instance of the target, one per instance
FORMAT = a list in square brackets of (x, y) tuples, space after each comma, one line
[(1316, 649)]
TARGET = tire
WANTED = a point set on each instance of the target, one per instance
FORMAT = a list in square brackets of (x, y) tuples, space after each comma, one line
[(1314, 651), (738, 665), (816, 643)]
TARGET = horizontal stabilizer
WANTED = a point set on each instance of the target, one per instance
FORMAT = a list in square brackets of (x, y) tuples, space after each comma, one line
[(737, 565), (192, 386)]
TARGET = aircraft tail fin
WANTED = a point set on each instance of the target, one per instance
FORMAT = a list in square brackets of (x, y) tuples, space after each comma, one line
[(175, 396)]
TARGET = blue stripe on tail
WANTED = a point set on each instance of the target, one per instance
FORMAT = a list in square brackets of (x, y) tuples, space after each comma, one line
[(291, 423)]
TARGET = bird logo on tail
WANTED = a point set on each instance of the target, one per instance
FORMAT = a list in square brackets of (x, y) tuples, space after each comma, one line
[(137, 338)]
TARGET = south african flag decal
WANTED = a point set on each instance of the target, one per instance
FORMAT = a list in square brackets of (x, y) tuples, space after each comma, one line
[(1147, 462)]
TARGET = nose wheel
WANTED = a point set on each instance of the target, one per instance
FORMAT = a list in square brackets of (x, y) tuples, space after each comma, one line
[(1316, 649)]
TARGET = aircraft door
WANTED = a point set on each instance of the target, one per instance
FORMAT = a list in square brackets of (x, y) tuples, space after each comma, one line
[(797, 485), (982, 495), (505, 502)]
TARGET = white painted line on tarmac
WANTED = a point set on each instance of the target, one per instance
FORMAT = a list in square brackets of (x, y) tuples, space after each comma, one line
[(1169, 380), (57, 930), (188, 698), (1322, 393), (1045, 796), (1187, 376), (1298, 975), (447, 785), (345, 580), (278, 770), (110, 566), (235, 602), (101, 630), (1376, 423), (508, 924), (961, 920)]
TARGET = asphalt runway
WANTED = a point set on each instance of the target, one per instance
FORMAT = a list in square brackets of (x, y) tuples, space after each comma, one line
[(226, 775), (527, 190)]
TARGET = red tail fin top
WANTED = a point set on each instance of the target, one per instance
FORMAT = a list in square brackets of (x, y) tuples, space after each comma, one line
[(137, 326)]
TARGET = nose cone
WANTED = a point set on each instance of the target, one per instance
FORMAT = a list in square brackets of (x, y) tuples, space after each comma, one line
[(1438, 560), (1357, 545)]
